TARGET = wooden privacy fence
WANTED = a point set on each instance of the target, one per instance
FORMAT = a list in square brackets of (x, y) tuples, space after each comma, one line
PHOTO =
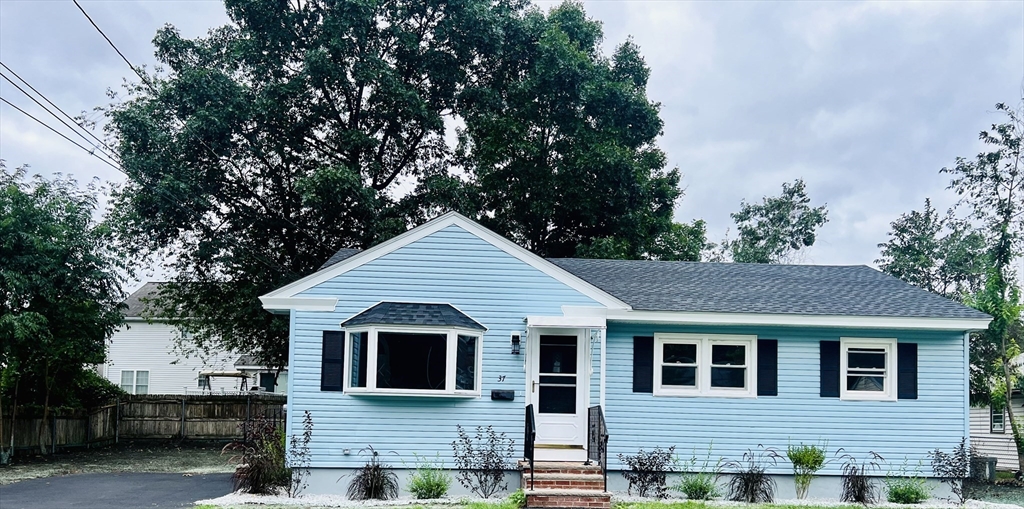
[(141, 417)]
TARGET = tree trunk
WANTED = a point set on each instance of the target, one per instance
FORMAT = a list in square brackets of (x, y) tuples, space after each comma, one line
[(14, 414), (46, 411), (1018, 439)]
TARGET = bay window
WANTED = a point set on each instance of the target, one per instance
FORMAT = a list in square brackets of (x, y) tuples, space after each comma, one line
[(390, 359)]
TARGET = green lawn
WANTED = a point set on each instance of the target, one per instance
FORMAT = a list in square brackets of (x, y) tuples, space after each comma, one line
[(621, 505)]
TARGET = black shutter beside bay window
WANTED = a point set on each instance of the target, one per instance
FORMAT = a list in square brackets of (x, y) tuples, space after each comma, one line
[(643, 364), (906, 370), (332, 361), (767, 367), (829, 369)]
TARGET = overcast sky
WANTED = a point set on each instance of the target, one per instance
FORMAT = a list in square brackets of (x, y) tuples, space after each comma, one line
[(864, 101)]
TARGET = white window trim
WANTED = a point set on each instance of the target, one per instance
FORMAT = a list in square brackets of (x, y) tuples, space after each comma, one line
[(991, 423), (451, 350), (135, 380), (704, 343), (889, 344)]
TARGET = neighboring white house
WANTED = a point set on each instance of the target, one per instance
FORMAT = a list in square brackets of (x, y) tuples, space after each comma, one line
[(990, 431), (143, 359)]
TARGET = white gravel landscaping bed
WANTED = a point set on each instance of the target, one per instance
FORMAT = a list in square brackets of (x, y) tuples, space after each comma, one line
[(239, 499)]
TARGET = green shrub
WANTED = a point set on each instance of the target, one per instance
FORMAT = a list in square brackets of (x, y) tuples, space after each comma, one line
[(429, 480), (807, 460), (518, 498), (699, 480), (904, 488)]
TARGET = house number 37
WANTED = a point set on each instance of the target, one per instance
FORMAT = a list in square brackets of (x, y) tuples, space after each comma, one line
[(501, 378)]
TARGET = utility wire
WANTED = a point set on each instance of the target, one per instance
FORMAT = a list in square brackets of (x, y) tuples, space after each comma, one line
[(69, 117), (54, 115), (44, 124), (147, 82)]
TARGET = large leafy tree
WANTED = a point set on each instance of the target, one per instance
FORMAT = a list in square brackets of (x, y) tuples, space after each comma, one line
[(59, 288), (300, 128), (775, 230), (941, 254), (559, 152), (992, 185), (275, 140)]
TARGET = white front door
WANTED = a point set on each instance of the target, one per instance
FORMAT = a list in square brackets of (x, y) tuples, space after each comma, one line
[(558, 391)]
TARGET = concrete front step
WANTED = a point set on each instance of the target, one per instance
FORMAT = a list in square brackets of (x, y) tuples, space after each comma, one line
[(589, 481), (553, 467), (568, 499)]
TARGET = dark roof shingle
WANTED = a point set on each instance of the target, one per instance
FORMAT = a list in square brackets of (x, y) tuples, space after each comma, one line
[(136, 302), (408, 313), (855, 290), (338, 256)]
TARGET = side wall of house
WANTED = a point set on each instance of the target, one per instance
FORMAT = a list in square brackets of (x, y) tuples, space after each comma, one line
[(897, 430), (998, 445), (150, 346), (453, 266)]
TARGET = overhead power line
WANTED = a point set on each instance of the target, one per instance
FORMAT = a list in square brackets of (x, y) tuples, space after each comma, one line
[(66, 115), (62, 135)]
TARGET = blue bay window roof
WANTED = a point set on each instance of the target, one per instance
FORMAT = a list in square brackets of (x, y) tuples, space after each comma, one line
[(412, 313)]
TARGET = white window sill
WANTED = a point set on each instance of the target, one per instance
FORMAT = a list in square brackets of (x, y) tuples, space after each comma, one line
[(866, 397), (412, 393), (711, 394)]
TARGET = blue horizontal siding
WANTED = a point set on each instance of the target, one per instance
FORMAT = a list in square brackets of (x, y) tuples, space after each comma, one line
[(894, 429), (451, 265)]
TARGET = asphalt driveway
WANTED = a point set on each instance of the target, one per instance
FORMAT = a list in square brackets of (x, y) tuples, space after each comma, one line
[(124, 490)]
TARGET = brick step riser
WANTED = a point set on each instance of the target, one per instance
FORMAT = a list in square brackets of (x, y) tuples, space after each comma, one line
[(565, 471), (564, 501), (564, 484)]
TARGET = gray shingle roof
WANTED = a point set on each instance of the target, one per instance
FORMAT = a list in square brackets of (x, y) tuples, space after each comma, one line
[(406, 313), (758, 288), (340, 255), (135, 301)]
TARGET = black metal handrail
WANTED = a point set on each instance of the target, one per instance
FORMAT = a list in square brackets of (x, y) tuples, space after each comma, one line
[(597, 441), (531, 437)]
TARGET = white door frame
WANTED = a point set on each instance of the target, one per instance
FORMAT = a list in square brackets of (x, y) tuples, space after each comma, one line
[(560, 437)]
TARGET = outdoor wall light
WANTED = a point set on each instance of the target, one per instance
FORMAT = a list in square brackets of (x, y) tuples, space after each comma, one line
[(515, 344)]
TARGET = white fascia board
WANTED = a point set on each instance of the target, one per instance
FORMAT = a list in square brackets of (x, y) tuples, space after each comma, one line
[(299, 303), (840, 321), (583, 322), (432, 226)]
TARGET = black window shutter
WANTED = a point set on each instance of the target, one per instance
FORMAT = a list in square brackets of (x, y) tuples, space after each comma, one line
[(332, 361), (906, 370), (643, 364), (767, 367), (830, 369)]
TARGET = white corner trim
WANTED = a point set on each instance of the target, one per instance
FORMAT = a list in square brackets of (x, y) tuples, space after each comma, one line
[(433, 226), (299, 303), (841, 321)]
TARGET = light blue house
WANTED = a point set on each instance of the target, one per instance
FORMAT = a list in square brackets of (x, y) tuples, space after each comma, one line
[(451, 324)]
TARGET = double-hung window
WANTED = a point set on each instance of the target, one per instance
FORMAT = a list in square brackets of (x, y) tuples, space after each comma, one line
[(413, 360), (998, 422), (705, 365), (135, 382), (867, 369)]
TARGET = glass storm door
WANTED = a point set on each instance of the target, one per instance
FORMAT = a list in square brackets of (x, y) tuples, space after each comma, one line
[(558, 383)]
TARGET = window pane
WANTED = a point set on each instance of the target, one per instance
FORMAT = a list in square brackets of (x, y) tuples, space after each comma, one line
[(465, 364), (204, 382), (555, 399), (558, 354), (128, 381), (679, 376), (679, 354), (729, 377), (411, 361), (866, 358), (865, 383), (728, 355), (358, 340)]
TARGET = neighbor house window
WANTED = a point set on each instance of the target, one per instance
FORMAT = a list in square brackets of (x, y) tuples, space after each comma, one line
[(135, 382), (204, 381), (400, 360), (867, 368), (998, 423), (704, 365)]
